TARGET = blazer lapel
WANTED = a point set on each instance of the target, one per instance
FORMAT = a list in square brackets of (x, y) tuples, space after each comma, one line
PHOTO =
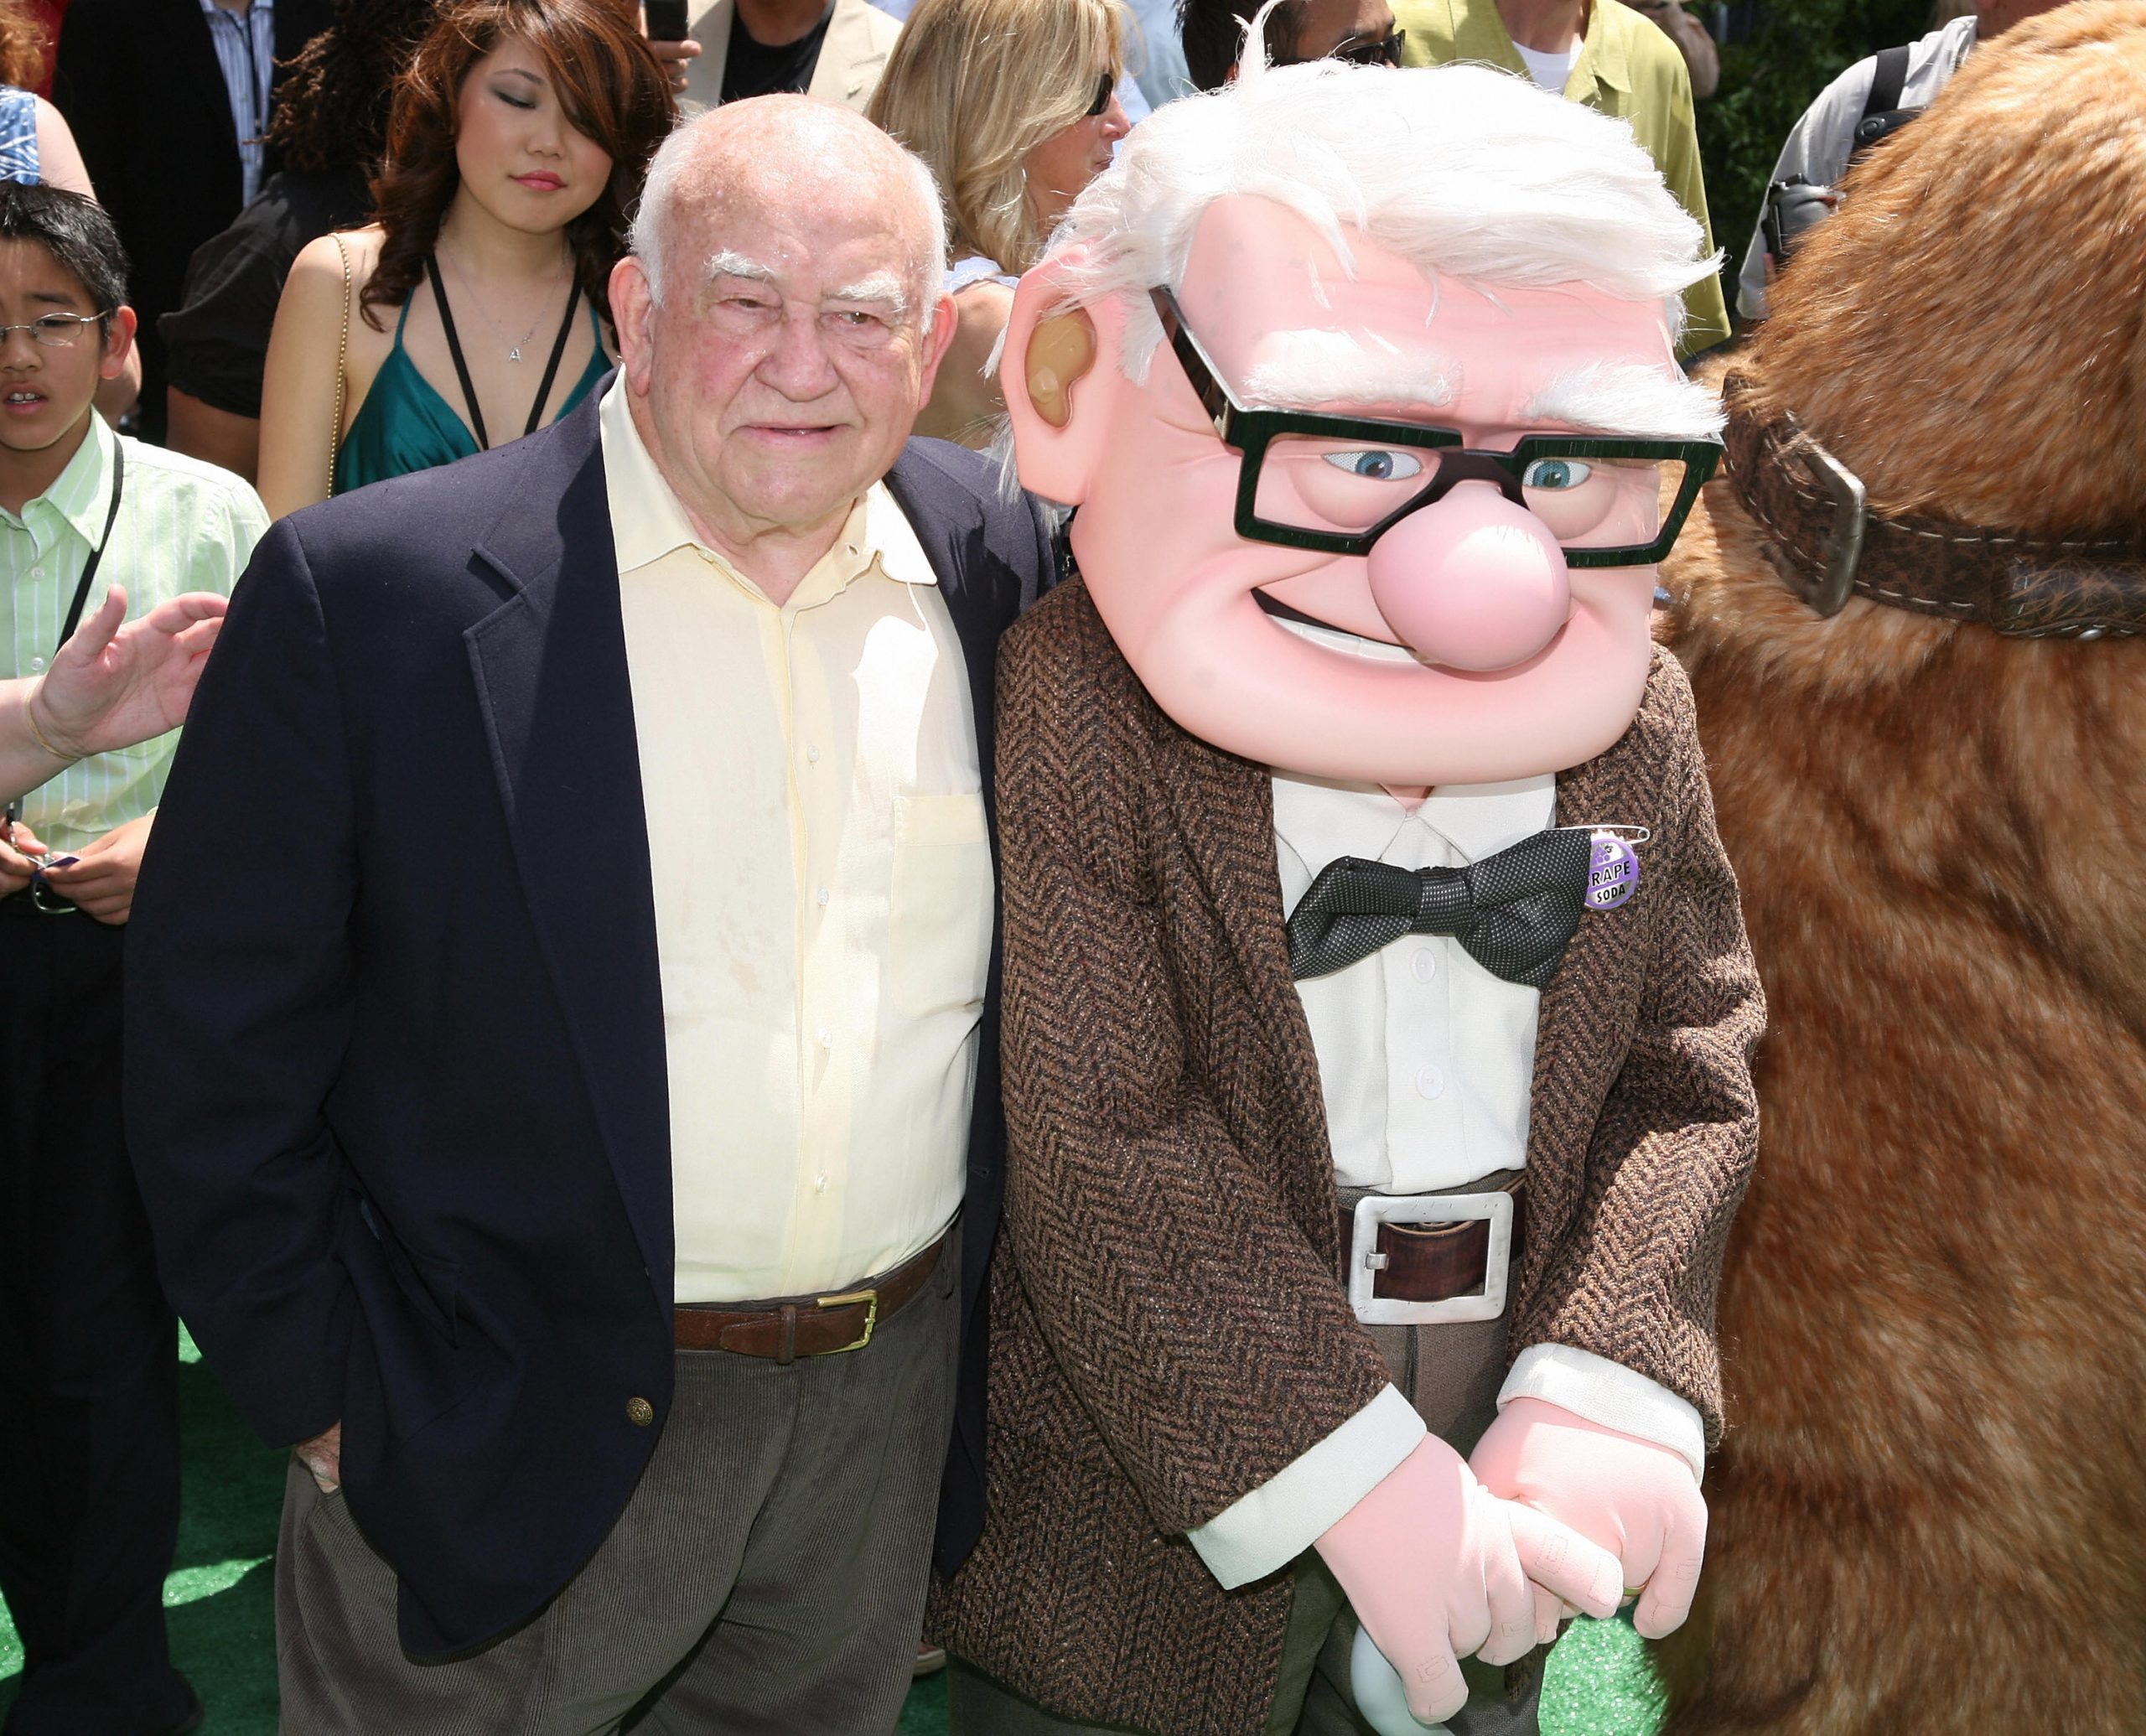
[(550, 671), (1223, 809), (711, 29), (193, 65), (1585, 1024), (848, 60)]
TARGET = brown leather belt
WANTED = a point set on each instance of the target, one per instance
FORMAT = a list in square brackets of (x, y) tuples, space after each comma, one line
[(1436, 1263), (793, 1326)]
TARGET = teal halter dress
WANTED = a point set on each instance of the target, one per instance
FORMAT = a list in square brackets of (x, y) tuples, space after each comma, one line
[(405, 425)]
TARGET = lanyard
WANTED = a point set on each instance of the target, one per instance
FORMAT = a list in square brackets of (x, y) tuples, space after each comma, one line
[(14, 811)]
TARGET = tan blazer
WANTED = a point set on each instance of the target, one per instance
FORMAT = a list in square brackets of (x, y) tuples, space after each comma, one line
[(1168, 1325), (851, 57)]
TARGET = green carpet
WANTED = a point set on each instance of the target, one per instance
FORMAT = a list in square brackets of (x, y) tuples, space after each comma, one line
[(222, 1611)]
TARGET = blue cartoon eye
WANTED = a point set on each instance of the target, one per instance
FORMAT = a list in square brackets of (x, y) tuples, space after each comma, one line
[(1555, 474), (1376, 464)]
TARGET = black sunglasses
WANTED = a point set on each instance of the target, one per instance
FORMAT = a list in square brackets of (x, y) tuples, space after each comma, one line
[(1386, 51), (1104, 92)]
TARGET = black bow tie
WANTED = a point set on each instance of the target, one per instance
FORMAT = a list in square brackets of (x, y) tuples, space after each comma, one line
[(1514, 912)]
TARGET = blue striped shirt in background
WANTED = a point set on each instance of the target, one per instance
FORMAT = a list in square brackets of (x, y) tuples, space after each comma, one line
[(245, 49)]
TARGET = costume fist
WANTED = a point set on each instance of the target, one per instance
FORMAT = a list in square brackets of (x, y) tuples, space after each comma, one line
[(1438, 1568), (1637, 1500)]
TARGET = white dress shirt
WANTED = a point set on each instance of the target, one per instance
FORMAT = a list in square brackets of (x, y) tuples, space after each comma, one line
[(1426, 1061), (823, 890)]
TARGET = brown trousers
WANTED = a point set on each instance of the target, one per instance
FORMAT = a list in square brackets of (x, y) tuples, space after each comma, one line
[(767, 1576)]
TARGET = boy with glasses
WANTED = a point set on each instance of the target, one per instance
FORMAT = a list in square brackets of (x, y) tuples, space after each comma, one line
[(89, 1459)]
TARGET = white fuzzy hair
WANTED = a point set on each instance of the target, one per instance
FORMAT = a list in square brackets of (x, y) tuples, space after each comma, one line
[(648, 239), (1459, 169)]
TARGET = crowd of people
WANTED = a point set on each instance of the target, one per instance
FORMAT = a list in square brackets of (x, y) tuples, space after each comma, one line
[(421, 926)]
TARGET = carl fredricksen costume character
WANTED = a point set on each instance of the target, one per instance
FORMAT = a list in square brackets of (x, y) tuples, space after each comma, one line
[(1378, 1012)]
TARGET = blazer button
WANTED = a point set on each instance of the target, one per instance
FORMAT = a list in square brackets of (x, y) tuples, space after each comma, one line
[(639, 1413)]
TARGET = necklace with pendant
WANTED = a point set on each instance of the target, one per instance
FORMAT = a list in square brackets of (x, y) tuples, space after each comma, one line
[(514, 349)]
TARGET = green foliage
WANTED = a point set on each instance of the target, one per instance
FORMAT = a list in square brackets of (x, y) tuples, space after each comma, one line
[(1768, 81)]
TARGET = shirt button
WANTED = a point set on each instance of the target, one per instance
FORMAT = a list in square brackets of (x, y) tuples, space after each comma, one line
[(37, 572), (1430, 1082), (639, 1413), (819, 1183), (826, 1037), (822, 894), (36, 664), (1424, 965), (813, 755)]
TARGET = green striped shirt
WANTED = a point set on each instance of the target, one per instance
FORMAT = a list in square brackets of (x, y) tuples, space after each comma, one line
[(183, 526)]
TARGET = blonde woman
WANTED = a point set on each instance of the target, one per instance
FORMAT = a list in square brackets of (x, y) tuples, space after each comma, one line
[(1013, 103)]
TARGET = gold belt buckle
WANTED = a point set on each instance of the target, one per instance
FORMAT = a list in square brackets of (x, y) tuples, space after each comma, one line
[(870, 1299)]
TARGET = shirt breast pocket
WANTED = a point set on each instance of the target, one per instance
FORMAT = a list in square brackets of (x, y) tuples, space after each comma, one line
[(940, 906)]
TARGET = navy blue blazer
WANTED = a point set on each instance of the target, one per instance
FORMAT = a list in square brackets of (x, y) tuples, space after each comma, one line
[(394, 1079)]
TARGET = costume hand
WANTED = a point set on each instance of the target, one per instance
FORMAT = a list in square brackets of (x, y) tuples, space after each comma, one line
[(15, 865), (676, 57), (322, 1456), (1638, 1500), (1437, 1568), (100, 879), (109, 686)]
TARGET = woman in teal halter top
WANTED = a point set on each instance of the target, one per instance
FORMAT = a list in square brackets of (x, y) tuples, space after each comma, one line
[(516, 146), (405, 425)]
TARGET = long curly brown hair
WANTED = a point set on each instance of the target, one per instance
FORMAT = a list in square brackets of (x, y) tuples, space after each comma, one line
[(332, 103), (614, 90)]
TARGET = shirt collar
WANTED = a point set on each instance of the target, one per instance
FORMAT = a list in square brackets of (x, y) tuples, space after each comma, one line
[(81, 494), (648, 522), (1478, 33)]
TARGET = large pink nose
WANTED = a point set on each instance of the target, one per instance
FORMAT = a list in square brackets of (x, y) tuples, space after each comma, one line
[(1472, 581)]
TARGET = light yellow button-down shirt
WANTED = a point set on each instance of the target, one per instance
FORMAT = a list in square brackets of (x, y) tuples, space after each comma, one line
[(823, 890)]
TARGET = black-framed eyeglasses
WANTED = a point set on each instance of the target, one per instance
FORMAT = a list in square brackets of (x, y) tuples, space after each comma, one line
[(55, 331), (1383, 51), (1335, 484), (1104, 92)]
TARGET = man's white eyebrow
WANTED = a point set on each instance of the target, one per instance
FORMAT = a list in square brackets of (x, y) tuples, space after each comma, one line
[(882, 286), (1318, 368), (1626, 399), (729, 263)]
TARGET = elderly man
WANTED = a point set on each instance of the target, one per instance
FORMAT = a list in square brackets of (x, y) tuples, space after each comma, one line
[(560, 1027)]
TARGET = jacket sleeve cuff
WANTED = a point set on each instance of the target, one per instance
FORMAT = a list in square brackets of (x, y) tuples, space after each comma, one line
[(1609, 1393), (1275, 1523)]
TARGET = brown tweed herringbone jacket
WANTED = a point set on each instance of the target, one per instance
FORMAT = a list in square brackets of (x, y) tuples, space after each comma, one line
[(1168, 1323)]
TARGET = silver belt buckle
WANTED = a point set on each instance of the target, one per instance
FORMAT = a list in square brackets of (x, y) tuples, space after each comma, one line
[(1365, 1263)]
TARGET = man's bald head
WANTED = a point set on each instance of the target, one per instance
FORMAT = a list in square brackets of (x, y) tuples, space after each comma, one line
[(815, 163)]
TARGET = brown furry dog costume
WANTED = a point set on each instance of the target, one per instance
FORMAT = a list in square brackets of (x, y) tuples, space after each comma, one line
[(1929, 1518)]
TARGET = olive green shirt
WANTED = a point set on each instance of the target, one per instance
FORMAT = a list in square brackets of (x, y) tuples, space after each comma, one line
[(1626, 68)]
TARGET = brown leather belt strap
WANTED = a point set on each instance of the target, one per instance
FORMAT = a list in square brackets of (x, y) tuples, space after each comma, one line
[(1828, 546), (793, 1326), (1436, 1263)]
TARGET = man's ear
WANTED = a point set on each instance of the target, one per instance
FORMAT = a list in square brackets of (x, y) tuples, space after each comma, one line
[(1060, 372), (631, 305)]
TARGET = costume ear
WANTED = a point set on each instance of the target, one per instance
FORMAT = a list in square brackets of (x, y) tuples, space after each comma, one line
[(1060, 373)]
